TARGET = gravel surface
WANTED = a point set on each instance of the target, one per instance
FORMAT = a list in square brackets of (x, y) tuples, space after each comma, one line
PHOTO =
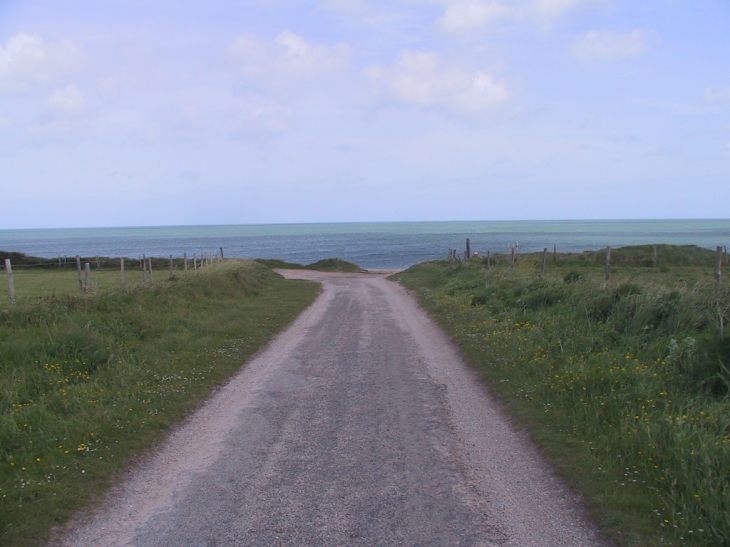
[(359, 425)]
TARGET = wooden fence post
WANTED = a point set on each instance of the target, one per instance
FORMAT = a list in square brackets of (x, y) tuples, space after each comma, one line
[(544, 262), (11, 285), (195, 262), (608, 263), (555, 253), (185, 263), (149, 264), (171, 274), (78, 269), (468, 249), (222, 257), (718, 265), (87, 272), (121, 268), (144, 269), (489, 260), (512, 258)]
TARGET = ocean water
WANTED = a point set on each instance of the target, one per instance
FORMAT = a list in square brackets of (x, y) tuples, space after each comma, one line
[(387, 245)]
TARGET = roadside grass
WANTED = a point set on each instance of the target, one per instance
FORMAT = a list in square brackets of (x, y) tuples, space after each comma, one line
[(624, 385), (88, 383)]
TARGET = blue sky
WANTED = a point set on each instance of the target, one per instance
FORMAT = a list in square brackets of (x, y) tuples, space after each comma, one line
[(263, 111)]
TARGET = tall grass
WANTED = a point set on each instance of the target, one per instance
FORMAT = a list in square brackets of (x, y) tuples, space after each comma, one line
[(624, 384), (87, 383)]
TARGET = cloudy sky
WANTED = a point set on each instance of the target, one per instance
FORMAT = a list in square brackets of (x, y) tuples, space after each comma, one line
[(161, 112)]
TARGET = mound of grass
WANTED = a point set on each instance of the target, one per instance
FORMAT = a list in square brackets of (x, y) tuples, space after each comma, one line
[(334, 265), (280, 264), (325, 265), (624, 384), (88, 382)]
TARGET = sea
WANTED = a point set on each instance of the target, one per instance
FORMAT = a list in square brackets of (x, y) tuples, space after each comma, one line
[(376, 245)]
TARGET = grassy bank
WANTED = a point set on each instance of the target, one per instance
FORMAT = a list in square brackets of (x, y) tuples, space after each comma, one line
[(87, 383), (623, 384), (324, 265)]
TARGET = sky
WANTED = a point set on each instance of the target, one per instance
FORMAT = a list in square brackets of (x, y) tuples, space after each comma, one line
[(152, 112)]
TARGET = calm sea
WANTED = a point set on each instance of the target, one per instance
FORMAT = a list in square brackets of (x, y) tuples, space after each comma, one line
[(371, 245)]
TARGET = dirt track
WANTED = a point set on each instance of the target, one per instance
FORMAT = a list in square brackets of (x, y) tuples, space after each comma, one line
[(359, 425)]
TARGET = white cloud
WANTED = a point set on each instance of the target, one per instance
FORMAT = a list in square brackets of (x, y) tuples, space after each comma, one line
[(66, 100), (717, 96), (423, 79), (554, 8), (288, 55), (461, 15), (27, 62), (471, 14), (608, 45), (300, 55), (271, 118)]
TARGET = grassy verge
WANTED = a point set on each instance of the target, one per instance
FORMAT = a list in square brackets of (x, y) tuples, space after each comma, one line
[(87, 383), (623, 384)]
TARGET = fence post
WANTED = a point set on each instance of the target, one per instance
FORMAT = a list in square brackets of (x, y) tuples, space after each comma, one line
[(718, 265), (87, 271), (512, 258), (468, 249), (121, 268), (144, 269), (544, 262), (195, 262), (608, 263), (555, 253), (171, 266), (222, 257), (185, 263), (489, 260), (149, 264), (11, 285), (78, 269)]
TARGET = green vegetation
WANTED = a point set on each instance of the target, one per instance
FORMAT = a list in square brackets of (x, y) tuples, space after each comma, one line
[(625, 384), (334, 265), (89, 382), (281, 264), (324, 265)]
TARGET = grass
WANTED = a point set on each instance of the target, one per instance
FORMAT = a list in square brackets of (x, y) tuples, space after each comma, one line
[(623, 384), (324, 265), (334, 265), (89, 382)]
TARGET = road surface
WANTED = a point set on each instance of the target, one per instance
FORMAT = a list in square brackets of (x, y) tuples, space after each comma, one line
[(358, 426)]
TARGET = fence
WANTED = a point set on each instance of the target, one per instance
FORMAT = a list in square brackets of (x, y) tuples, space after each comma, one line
[(83, 267), (637, 256)]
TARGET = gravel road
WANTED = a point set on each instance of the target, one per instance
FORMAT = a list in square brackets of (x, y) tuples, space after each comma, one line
[(359, 425)]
